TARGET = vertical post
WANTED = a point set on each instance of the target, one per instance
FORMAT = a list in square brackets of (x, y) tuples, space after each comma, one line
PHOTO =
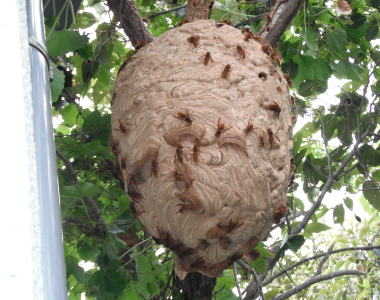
[(53, 263)]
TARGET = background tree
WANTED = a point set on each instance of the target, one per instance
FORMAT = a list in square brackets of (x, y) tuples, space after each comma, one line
[(337, 149)]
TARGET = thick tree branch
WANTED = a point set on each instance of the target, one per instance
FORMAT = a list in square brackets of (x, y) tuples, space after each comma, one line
[(90, 202), (196, 9), (314, 257), (126, 12), (278, 26), (317, 279)]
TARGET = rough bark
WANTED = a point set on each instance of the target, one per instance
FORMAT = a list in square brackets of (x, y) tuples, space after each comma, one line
[(198, 287), (196, 9), (126, 12), (279, 25)]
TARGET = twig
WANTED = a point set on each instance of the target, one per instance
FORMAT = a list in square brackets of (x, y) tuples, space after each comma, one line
[(156, 13), (97, 214), (286, 273), (237, 281), (126, 252), (314, 257), (253, 273), (317, 279), (167, 285), (328, 253), (250, 20)]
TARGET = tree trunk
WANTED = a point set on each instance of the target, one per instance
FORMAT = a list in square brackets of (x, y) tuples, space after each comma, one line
[(197, 287)]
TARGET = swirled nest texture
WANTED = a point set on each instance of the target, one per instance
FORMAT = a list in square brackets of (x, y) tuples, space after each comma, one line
[(212, 203)]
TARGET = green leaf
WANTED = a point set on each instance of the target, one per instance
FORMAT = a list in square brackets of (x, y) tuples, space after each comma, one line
[(96, 278), (376, 175), (85, 20), (349, 203), (344, 133), (299, 156), (376, 252), (112, 246), (347, 70), (113, 282), (323, 71), (86, 52), (295, 242), (88, 71), (225, 286), (87, 252), (132, 294), (297, 139), (306, 66), (269, 295), (80, 190), (307, 88), (104, 53), (372, 194), (371, 32), (337, 39), (104, 77), (290, 68), (116, 230), (316, 227), (65, 41), (125, 220), (339, 214), (144, 275), (369, 155), (263, 251), (311, 38), (69, 114), (358, 20), (58, 83), (363, 294), (308, 169), (259, 265)]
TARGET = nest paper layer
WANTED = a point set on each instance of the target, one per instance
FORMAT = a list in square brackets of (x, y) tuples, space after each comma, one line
[(211, 207)]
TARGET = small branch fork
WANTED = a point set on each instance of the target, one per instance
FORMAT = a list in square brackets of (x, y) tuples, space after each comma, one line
[(315, 257), (90, 202), (247, 268), (237, 281), (316, 279)]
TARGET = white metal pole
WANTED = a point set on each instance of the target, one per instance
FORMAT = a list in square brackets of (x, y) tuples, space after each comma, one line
[(53, 261), (30, 224)]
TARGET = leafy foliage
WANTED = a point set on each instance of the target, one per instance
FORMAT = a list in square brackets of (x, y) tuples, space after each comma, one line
[(338, 137)]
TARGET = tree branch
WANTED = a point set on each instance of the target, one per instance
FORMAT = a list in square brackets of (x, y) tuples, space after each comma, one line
[(317, 279), (314, 257), (259, 286), (328, 253), (126, 12), (237, 281), (196, 9), (90, 202), (156, 13), (278, 26), (250, 20)]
